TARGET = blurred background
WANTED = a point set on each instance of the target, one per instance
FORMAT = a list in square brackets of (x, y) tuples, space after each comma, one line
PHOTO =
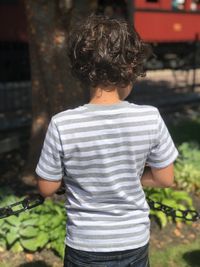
[(35, 83)]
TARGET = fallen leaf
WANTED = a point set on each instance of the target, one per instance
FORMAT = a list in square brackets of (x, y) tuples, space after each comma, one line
[(179, 225), (191, 236), (177, 232), (29, 257)]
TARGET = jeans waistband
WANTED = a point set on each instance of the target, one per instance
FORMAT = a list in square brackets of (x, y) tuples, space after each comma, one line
[(108, 255)]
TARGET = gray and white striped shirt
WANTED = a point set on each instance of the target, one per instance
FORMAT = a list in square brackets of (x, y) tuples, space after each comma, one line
[(100, 151)]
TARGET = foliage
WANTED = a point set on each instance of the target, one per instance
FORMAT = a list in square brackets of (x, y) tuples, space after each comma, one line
[(170, 197), (187, 176), (187, 168), (42, 227)]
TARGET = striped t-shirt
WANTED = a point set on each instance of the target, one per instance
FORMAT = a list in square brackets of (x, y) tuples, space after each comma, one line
[(100, 151)]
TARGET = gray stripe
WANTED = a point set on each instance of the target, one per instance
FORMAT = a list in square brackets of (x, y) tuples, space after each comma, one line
[(162, 151), (80, 159), (108, 219), (109, 155), (49, 154), (105, 182), (108, 136), (167, 149), (109, 146), (101, 175), (163, 157), (108, 227), (102, 127), (106, 212), (113, 117), (55, 140), (116, 191), (68, 113), (109, 237), (47, 171), (46, 161), (101, 165)]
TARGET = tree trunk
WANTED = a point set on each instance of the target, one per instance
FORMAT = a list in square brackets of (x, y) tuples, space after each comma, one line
[(53, 87)]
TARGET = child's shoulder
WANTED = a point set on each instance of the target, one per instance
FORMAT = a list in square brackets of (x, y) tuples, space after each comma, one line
[(144, 108), (68, 114)]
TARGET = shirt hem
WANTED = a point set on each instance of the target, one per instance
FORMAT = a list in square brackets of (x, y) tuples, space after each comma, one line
[(92, 249), (42, 175), (165, 164)]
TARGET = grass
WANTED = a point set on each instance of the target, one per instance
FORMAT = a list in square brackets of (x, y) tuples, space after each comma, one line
[(185, 255), (29, 264)]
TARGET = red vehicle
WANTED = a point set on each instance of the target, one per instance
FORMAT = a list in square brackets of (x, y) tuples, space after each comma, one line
[(171, 26), (160, 21)]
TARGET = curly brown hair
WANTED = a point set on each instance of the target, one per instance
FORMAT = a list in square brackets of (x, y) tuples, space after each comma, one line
[(107, 52)]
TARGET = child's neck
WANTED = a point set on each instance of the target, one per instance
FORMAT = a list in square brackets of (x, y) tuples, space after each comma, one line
[(104, 96)]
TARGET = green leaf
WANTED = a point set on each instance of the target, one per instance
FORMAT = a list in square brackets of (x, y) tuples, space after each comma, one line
[(24, 216), (155, 196), (29, 231), (170, 202), (59, 210), (162, 218), (30, 222), (2, 244), (2, 221), (13, 220), (33, 244), (45, 219), (58, 247), (42, 239), (56, 221), (12, 236), (17, 247), (58, 233), (180, 194), (29, 244)]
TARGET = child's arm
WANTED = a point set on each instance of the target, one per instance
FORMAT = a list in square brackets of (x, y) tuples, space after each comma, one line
[(163, 177), (48, 188)]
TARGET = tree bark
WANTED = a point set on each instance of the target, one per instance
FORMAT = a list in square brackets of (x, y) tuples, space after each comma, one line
[(53, 87)]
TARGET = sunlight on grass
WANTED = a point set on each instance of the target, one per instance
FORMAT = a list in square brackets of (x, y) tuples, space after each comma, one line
[(185, 255), (4, 265)]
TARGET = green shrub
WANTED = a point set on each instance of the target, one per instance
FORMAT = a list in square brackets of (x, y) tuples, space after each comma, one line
[(187, 177), (41, 227), (170, 197), (187, 168)]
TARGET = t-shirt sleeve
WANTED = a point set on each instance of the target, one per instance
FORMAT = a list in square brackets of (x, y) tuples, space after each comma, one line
[(50, 165), (163, 151)]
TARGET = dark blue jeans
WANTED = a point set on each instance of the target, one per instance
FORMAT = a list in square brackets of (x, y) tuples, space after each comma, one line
[(129, 258)]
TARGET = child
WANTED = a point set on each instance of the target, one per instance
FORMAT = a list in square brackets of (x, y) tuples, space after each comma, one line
[(100, 150)]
